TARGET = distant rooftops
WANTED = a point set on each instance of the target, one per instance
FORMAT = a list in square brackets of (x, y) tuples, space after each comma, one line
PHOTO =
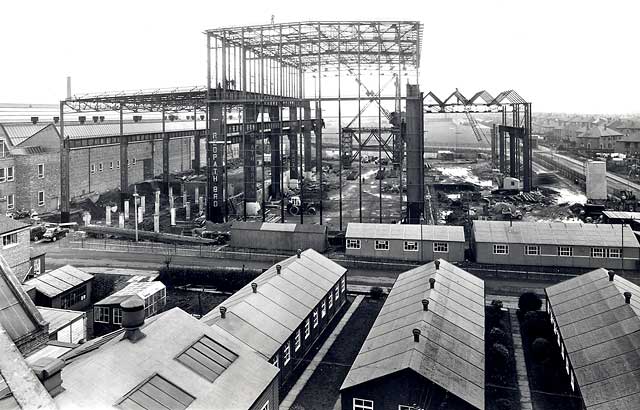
[(58, 281), (601, 334), (554, 233), (405, 232), (450, 351)]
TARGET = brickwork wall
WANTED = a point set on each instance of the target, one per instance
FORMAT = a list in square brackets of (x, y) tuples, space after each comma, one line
[(18, 256), (6, 188), (29, 182)]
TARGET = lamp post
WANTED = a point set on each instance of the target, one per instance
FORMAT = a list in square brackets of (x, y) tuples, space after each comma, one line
[(135, 212)]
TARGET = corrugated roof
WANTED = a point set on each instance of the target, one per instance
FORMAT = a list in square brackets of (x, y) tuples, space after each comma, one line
[(9, 225), (140, 289), (602, 336), (621, 215), (405, 232), (18, 133), (102, 377), (265, 320), (112, 129), (554, 233), (279, 227), (60, 280), (59, 318), (450, 352)]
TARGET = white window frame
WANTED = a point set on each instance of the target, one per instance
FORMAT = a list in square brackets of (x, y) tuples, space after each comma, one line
[(40, 171), (266, 406), (276, 361), (99, 313), (410, 246), (336, 293), (135, 160), (11, 173), (342, 284), (117, 316), (110, 164), (330, 300), (118, 164), (532, 250), (9, 240), (598, 252), (287, 352), (315, 318), (100, 167), (381, 245), (40, 198), (565, 251), (500, 249), (362, 404), (614, 253), (297, 341), (441, 247), (307, 328), (406, 407), (92, 168), (11, 201), (323, 308), (3, 174), (353, 244)]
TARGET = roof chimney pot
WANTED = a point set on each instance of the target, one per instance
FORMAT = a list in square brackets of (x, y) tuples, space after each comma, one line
[(425, 305), (627, 297), (223, 312), (612, 274), (416, 335), (278, 269), (299, 253), (132, 318), (254, 286), (432, 283), (437, 263)]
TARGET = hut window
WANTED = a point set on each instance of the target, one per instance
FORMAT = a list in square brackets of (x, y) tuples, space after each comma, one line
[(353, 243), (307, 328), (382, 245), (410, 246), (287, 352), (361, 404), (565, 251), (323, 309), (101, 314), (500, 249), (532, 250), (441, 247), (315, 318), (297, 341), (597, 252), (615, 253)]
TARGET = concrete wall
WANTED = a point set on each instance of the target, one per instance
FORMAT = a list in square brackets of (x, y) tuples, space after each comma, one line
[(396, 251), (549, 257), (18, 255)]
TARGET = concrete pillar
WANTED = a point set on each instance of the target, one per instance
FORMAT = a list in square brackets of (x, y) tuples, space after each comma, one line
[(140, 214), (415, 149), (165, 156), (143, 203), (157, 204), (200, 204), (293, 145), (196, 144), (121, 220), (107, 215), (171, 199), (513, 159), (156, 223), (126, 210), (196, 194), (248, 154), (124, 156), (306, 135), (172, 212), (184, 194), (216, 207), (187, 210), (276, 164)]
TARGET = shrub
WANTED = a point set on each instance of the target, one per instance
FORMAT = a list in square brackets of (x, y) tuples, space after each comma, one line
[(503, 404), (535, 324), (497, 304), (541, 349), (376, 292), (497, 335), (529, 301), (500, 354)]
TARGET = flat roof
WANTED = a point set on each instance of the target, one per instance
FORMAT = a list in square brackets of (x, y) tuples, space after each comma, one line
[(621, 215), (59, 318), (451, 348), (58, 281), (445, 233), (9, 225), (554, 233), (140, 289), (117, 369), (602, 336), (265, 320)]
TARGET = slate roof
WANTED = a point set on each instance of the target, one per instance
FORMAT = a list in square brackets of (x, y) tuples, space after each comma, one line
[(597, 132), (112, 129), (58, 281), (10, 225), (554, 233), (265, 320), (450, 352), (20, 132), (118, 371), (602, 336), (405, 232)]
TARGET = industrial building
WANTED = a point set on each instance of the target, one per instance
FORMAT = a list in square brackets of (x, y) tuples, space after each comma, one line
[(15, 248), (278, 236), (557, 244), (67, 326), (63, 288), (107, 314), (426, 347), (283, 312), (421, 243), (596, 321)]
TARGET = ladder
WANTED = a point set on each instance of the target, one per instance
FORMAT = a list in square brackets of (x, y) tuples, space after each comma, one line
[(476, 130)]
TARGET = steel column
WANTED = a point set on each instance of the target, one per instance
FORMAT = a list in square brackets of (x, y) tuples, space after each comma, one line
[(415, 162), (64, 170), (124, 156)]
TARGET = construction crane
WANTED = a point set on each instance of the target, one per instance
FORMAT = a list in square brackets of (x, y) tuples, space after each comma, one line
[(476, 129)]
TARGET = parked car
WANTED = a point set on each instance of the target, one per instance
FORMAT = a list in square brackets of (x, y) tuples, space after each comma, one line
[(54, 233), (37, 232)]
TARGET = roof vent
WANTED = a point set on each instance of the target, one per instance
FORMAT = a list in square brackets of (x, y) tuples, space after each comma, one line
[(133, 318), (56, 120), (611, 275), (137, 118), (223, 312), (432, 283), (278, 269), (49, 372), (627, 297), (102, 118), (254, 286), (82, 119), (425, 305), (34, 120), (299, 253), (437, 263), (95, 119), (416, 335)]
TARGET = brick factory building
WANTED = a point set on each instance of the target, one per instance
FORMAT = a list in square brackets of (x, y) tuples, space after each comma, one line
[(15, 248)]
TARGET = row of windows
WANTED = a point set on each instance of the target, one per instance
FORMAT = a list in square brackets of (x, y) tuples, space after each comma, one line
[(10, 239), (534, 250), (73, 297), (7, 174), (314, 321), (101, 314), (117, 165), (11, 200), (362, 404), (407, 246)]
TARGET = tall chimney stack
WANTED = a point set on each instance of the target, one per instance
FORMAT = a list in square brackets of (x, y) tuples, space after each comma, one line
[(133, 318), (627, 297), (68, 88), (416, 335)]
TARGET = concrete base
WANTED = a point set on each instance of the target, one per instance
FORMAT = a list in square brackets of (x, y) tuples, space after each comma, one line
[(253, 208)]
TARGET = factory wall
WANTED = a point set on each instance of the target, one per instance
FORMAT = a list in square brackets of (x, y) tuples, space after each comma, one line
[(31, 182), (7, 188), (18, 256), (424, 252), (549, 257)]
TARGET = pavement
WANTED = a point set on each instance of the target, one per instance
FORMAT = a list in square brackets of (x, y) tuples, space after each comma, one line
[(521, 366), (288, 401)]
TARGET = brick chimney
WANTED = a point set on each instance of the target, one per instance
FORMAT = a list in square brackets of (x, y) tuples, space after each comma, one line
[(49, 372), (133, 318)]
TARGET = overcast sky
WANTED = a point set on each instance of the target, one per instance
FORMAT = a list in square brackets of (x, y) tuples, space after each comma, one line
[(563, 55)]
